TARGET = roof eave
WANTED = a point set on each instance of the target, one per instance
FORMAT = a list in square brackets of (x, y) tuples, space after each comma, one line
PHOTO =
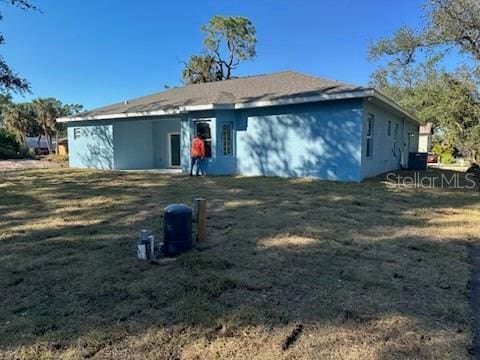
[(386, 100), (245, 105), (362, 93)]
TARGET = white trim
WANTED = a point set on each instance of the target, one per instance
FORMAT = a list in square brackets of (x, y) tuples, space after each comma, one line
[(306, 99), (121, 115), (169, 149), (366, 93), (397, 107)]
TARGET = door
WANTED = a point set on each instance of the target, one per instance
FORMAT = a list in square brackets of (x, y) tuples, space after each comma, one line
[(174, 149)]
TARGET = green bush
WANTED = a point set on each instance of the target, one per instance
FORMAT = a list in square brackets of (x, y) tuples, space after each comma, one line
[(8, 141), (6, 154), (437, 149), (10, 148), (445, 154), (447, 157)]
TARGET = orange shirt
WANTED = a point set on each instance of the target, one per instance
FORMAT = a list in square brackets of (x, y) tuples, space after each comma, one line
[(198, 147)]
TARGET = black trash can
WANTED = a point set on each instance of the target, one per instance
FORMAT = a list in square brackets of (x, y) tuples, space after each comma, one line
[(177, 229), (417, 161)]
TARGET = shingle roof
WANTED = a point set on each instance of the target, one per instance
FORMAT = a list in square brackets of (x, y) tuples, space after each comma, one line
[(276, 86)]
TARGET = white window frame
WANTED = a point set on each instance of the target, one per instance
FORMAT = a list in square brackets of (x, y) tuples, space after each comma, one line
[(227, 149), (77, 133), (370, 136), (212, 134)]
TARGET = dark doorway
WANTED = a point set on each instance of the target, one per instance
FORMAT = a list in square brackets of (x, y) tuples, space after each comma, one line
[(174, 147), (202, 129)]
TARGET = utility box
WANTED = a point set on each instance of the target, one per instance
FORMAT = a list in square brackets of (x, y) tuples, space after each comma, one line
[(177, 229), (417, 160)]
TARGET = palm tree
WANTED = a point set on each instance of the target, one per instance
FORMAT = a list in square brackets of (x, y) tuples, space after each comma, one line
[(19, 118), (47, 111), (5, 102)]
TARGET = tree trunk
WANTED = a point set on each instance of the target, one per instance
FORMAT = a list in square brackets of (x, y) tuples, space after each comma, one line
[(472, 156), (56, 142), (49, 144)]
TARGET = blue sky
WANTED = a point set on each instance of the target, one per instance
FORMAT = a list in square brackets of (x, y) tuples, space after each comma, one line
[(97, 52)]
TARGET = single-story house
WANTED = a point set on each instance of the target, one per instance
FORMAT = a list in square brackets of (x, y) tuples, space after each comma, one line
[(37, 144), (282, 124)]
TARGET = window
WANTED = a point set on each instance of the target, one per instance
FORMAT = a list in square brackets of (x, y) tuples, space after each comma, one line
[(202, 129), (227, 143), (389, 129), (370, 133), (395, 140), (76, 133)]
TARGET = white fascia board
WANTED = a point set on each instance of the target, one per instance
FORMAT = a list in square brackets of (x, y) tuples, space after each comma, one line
[(249, 105), (397, 107), (306, 99), (254, 104), (122, 115), (177, 111)]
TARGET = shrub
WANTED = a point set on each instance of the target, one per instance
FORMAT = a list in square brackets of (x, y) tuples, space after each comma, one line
[(6, 154), (8, 141), (437, 149), (447, 157), (446, 154)]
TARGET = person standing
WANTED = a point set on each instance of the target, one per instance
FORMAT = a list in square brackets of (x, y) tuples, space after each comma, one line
[(198, 153)]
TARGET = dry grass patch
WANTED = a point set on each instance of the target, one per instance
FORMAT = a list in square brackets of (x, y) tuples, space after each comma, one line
[(368, 270)]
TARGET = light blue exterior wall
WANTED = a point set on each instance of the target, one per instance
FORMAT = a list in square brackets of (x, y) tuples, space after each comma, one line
[(133, 144), (94, 147), (384, 158), (324, 140), (161, 131), (121, 144), (319, 140)]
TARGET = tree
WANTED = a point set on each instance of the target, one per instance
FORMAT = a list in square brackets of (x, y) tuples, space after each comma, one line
[(60, 128), (449, 24), (5, 102), (39, 116), (47, 110), (450, 102), (201, 69), (228, 41), (20, 118), (9, 79)]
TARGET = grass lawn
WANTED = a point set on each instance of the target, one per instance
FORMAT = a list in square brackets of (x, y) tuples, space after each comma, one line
[(360, 270)]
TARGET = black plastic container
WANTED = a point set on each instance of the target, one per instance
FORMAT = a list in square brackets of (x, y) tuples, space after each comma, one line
[(177, 229), (417, 161)]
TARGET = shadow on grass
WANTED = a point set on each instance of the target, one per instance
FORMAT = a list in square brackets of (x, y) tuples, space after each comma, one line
[(279, 252)]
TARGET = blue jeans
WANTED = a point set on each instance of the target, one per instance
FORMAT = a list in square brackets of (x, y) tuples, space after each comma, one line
[(198, 161)]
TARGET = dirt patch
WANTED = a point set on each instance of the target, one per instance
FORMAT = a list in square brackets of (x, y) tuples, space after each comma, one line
[(28, 164)]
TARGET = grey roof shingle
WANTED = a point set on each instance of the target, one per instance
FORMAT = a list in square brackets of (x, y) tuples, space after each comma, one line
[(276, 86)]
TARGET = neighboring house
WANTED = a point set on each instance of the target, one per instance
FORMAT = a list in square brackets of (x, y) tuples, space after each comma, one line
[(37, 144), (283, 124), (425, 138), (63, 146)]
